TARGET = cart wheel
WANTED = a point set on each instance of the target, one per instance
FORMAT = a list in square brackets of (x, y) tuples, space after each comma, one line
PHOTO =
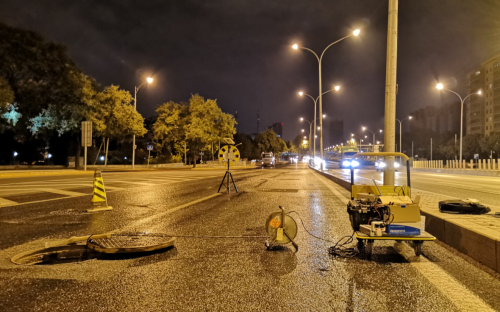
[(361, 244), (418, 248), (369, 247)]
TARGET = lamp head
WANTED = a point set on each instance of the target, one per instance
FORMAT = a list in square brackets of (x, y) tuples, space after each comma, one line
[(150, 79), (301, 119), (439, 86), (295, 46), (301, 93), (337, 88), (364, 128), (356, 32), (479, 92), (410, 117)]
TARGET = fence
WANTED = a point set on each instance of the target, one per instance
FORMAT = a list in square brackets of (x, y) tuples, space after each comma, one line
[(479, 164)]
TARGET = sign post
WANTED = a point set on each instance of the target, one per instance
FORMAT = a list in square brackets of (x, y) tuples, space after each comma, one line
[(86, 139), (150, 148)]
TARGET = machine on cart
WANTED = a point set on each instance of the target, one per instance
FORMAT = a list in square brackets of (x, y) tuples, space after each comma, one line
[(386, 212)]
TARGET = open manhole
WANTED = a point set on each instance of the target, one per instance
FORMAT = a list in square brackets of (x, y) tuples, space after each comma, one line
[(76, 249), (281, 190)]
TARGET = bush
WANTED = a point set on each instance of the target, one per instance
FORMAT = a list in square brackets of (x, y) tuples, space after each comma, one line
[(176, 159)]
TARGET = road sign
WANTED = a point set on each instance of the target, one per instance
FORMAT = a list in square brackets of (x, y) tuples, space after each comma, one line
[(476, 156), (201, 153), (86, 133), (150, 147)]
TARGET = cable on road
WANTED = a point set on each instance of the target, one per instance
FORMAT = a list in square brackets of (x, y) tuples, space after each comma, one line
[(338, 249)]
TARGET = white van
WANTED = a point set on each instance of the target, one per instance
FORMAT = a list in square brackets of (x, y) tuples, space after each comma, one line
[(268, 159)]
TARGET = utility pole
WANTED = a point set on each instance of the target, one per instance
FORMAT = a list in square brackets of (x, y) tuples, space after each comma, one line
[(431, 148), (390, 90)]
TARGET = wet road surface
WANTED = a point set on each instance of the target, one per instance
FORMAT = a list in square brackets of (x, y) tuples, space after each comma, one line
[(236, 274)]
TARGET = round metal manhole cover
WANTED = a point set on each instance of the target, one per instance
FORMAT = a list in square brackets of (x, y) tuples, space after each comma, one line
[(131, 243)]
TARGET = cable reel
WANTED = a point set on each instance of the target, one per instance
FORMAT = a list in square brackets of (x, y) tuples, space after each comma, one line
[(281, 228), (229, 153)]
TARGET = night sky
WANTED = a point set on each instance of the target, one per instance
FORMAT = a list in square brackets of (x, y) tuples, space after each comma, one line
[(239, 52)]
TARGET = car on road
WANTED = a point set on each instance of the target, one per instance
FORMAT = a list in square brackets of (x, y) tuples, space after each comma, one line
[(268, 159)]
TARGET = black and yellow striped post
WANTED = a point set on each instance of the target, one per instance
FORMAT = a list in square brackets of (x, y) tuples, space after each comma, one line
[(99, 200)]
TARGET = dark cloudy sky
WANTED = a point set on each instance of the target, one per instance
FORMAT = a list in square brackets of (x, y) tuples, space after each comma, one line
[(238, 51)]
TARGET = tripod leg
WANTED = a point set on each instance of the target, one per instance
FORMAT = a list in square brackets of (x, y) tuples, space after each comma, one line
[(224, 178), (233, 182), (293, 243)]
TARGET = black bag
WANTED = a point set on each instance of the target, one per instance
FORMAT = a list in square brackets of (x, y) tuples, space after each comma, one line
[(461, 207)]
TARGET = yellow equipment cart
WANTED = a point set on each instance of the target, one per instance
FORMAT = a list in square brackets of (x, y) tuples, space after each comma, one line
[(383, 206)]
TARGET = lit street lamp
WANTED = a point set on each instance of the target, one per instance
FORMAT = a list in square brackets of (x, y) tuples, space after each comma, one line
[(336, 88), (320, 58), (440, 86), (310, 132), (149, 80), (364, 128)]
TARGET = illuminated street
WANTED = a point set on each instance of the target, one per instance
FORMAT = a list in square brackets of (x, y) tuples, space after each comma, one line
[(233, 273)]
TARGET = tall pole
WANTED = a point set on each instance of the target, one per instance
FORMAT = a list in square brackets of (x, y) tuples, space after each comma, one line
[(310, 136), (133, 139), (321, 114), (461, 131), (431, 149), (390, 90), (314, 135)]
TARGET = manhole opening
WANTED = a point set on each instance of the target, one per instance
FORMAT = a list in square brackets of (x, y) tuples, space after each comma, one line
[(102, 247)]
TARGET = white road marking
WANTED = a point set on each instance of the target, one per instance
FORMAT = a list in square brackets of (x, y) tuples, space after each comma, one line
[(451, 288), (62, 192), (4, 202)]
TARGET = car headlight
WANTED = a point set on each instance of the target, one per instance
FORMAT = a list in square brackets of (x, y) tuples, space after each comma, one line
[(381, 164), (346, 163), (396, 165), (376, 164), (354, 163)]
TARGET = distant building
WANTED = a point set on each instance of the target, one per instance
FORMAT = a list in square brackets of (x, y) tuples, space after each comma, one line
[(438, 119), (277, 127), (483, 111), (335, 131)]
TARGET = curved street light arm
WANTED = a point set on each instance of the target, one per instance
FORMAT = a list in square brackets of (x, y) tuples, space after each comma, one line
[(311, 52), (319, 60), (323, 94), (461, 100), (311, 98), (465, 98)]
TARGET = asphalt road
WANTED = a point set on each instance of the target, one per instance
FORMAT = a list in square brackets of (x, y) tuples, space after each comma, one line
[(224, 274)]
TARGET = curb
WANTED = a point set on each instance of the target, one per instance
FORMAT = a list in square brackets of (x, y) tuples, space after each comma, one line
[(481, 248), (483, 173)]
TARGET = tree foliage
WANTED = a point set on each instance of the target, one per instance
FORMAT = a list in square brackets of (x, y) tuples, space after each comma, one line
[(268, 141), (197, 124)]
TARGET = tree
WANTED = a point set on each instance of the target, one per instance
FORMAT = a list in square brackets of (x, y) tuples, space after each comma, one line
[(247, 147), (6, 94), (268, 141), (470, 145), (490, 143), (113, 116), (40, 74), (198, 124)]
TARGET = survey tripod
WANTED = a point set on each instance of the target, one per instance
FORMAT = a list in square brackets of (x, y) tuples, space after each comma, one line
[(227, 184)]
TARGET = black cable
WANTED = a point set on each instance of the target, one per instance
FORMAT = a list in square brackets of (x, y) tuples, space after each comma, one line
[(339, 249)]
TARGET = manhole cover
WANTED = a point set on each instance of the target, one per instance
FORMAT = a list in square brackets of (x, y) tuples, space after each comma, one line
[(130, 243), (281, 190)]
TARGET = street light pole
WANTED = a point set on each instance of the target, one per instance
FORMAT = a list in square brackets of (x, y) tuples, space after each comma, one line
[(149, 80), (295, 46), (441, 87), (401, 133), (310, 132), (364, 128), (336, 88)]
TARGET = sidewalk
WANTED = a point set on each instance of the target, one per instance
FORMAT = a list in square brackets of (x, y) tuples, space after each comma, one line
[(477, 236), (39, 172)]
